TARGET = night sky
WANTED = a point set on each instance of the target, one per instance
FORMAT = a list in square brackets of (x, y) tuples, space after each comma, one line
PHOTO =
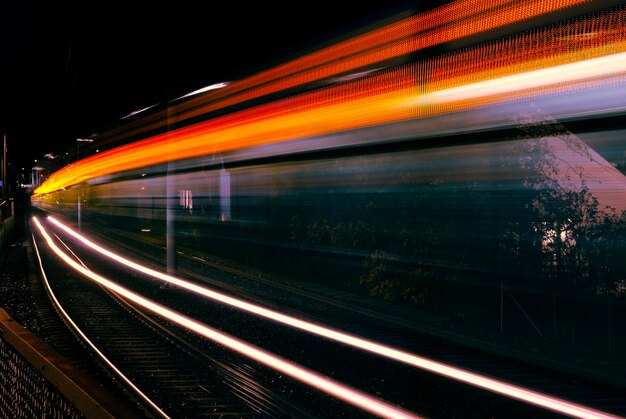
[(70, 70)]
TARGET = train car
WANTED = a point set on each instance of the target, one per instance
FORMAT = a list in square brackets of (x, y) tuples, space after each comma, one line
[(465, 164)]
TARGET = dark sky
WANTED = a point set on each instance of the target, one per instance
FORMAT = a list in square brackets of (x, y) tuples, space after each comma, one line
[(69, 69)]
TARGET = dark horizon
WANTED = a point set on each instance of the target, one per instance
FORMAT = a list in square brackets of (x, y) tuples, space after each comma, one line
[(73, 71)]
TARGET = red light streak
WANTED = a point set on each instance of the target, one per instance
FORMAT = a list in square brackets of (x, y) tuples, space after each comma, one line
[(416, 90), (477, 380), (447, 23)]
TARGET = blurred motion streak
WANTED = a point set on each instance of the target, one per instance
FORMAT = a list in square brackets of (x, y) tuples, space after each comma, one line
[(555, 60), (490, 384), (447, 23), (460, 171), (309, 377)]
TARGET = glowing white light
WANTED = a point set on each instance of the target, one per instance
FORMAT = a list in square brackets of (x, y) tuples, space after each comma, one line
[(64, 314), (440, 368), (609, 65), (309, 377), (136, 112), (204, 89)]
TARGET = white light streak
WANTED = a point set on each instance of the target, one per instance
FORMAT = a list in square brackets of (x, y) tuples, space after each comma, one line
[(309, 377), (490, 384), (58, 305), (204, 89), (610, 65), (70, 250)]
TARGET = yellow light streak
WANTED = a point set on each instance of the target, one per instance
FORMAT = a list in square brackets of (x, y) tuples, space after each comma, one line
[(415, 90), (447, 23)]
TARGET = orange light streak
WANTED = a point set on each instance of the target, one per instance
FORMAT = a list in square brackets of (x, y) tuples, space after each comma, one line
[(450, 22), (394, 95), (422, 31)]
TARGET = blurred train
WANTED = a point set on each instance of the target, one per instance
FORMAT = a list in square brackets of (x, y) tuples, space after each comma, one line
[(467, 161)]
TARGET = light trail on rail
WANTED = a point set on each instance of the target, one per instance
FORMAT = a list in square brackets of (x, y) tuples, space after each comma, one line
[(318, 381), (459, 374), (446, 75), (88, 341)]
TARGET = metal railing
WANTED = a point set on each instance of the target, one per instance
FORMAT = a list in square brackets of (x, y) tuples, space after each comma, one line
[(36, 382)]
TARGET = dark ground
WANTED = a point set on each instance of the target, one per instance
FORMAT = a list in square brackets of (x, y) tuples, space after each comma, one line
[(22, 296), (15, 285)]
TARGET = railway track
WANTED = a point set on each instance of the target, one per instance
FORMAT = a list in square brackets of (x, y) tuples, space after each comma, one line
[(180, 379), (415, 390)]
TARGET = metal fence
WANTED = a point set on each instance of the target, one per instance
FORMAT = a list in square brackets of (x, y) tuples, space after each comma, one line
[(36, 382), (26, 393)]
